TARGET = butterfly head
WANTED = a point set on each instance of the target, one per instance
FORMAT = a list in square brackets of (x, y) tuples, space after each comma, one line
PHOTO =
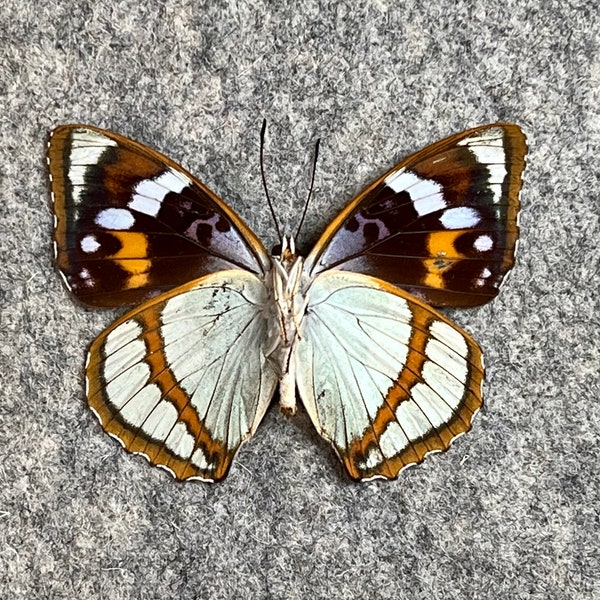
[(285, 251)]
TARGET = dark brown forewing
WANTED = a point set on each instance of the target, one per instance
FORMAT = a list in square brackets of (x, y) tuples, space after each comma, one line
[(131, 223), (442, 224)]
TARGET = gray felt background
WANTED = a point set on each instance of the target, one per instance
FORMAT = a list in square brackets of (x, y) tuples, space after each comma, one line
[(512, 510)]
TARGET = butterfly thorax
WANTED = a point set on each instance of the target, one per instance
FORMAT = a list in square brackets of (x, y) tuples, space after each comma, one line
[(286, 283)]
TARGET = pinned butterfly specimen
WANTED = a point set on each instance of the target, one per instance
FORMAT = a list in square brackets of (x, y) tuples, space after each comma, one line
[(185, 377)]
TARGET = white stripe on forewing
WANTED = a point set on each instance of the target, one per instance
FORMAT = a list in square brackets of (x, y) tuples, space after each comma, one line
[(77, 174), (145, 205), (426, 195), (489, 155), (429, 204), (173, 180), (491, 136), (150, 193), (89, 137), (401, 180), (87, 148), (488, 149), (498, 174)]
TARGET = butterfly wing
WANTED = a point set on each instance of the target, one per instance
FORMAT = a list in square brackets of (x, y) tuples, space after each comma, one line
[(130, 223), (442, 224), (184, 379), (384, 377)]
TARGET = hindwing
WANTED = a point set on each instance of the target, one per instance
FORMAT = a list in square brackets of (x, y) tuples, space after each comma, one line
[(384, 377), (185, 379)]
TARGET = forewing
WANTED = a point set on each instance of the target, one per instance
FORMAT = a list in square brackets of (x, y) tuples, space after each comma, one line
[(130, 223), (385, 378), (442, 224), (184, 378)]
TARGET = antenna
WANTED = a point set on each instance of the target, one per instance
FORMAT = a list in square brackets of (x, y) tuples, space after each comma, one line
[(312, 182), (262, 172)]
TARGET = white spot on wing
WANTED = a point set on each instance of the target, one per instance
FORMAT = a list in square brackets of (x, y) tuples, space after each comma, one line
[(374, 458), (115, 218), (461, 217), (123, 358), (485, 274), (435, 409), (483, 243), (89, 244), (446, 386)]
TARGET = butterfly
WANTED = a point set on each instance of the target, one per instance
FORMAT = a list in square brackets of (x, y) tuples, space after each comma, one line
[(186, 376)]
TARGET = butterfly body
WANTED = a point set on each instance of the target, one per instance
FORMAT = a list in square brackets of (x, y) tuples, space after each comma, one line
[(287, 288), (186, 377)]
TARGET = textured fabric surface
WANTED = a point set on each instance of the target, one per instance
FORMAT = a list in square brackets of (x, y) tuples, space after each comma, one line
[(511, 511)]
